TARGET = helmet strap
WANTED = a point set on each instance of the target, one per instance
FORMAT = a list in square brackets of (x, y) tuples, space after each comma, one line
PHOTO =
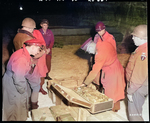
[(100, 36)]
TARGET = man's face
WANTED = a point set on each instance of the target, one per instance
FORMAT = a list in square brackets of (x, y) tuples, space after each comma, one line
[(36, 50), (44, 26), (137, 41), (101, 33), (31, 30)]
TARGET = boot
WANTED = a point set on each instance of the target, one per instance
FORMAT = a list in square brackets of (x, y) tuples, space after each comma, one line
[(42, 91), (34, 105), (29, 104), (47, 77), (41, 84), (116, 106)]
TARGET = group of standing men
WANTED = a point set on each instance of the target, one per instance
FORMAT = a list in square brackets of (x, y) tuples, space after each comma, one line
[(28, 66), (27, 69)]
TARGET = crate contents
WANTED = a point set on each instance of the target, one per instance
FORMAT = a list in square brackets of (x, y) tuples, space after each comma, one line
[(91, 95), (93, 106)]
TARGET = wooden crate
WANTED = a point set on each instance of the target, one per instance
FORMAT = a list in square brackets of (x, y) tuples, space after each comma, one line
[(74, 98), (69, 113), (65, 117), (55, 96), (42, 114)]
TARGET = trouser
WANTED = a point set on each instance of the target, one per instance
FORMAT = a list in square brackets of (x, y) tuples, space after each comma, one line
[(48, 62), (35, 93), (135, 107)]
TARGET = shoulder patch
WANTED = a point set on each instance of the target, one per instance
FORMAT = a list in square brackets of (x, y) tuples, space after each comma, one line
[(143, 56)]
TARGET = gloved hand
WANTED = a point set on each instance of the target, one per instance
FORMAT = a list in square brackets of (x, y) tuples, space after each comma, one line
[(130, 97)]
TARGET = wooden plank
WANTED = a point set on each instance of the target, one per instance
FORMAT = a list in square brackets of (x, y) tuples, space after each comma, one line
[(42, 114), (73, 112), (59, 110), (65, 117), (82, 114)]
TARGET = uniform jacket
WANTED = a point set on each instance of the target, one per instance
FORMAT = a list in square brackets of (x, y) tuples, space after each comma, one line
[(112, 70), (49, 38), (21, 37), (16, 90), (137, 69)]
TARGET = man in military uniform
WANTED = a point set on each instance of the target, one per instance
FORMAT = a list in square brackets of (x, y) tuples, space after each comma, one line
[(137, 74)]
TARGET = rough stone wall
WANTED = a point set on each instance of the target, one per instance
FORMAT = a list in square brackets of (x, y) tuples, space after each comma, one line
[(71, 39), (127, 15)]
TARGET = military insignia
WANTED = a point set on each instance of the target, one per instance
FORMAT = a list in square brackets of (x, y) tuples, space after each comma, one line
[(143, 56)]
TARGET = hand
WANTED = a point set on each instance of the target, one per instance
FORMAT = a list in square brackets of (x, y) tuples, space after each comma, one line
[(47, 51), (83, 85), (130, 97)]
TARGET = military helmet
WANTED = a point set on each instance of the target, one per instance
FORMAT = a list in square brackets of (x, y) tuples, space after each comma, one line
[(140, 31), (99, 26), (29, 22)]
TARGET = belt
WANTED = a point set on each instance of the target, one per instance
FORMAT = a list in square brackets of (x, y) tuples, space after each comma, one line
[(9, 73)]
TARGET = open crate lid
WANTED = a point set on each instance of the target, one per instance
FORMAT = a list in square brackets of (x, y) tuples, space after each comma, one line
[(71, 96)]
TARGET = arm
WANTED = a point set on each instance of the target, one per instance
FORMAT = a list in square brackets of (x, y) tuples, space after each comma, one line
[(100, 58)]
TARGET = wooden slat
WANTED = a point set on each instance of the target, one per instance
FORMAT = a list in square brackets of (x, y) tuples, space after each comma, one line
[(42, 114)]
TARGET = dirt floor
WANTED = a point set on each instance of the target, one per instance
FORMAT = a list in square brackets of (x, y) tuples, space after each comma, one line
[(69, 63), (72, 63)]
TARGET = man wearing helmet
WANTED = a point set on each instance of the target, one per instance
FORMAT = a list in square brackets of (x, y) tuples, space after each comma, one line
[(112, 77), (21, 72), (137, 74), (24, 34)]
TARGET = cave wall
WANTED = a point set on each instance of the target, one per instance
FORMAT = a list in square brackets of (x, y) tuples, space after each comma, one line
[(127, 15), (120, 18), (124, 16)]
